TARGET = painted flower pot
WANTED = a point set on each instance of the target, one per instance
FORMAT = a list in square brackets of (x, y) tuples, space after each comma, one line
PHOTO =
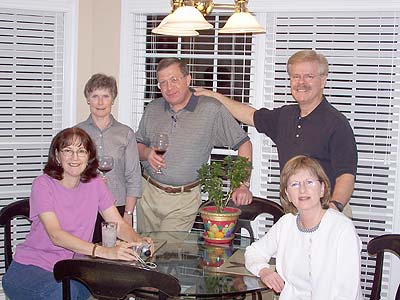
[(219, 227)]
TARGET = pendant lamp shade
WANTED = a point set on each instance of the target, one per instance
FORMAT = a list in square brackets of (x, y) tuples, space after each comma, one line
[(186, 17), (242, 22), (160, 29)]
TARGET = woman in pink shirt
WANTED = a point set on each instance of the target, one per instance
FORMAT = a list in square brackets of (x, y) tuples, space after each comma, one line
[(64, 204)]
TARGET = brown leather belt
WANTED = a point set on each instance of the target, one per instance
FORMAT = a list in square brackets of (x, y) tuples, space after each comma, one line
[(170, 189)]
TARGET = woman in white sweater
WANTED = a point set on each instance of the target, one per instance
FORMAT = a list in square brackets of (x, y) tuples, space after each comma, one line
[(317, 248)]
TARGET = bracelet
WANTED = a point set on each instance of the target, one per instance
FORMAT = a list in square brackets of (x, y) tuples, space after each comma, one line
[(94, 250), (128, 212)]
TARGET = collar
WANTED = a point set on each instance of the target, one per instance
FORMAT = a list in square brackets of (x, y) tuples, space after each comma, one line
[(191, 106), (91, 121), (320, 106)]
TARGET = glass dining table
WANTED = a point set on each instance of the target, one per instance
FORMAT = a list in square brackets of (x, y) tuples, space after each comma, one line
[(201, 268)]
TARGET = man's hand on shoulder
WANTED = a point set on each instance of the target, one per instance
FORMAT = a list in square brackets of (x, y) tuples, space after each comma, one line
[(199, 91)]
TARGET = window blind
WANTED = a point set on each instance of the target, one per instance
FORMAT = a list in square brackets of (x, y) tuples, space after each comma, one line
[(31, 97), (363, 83)]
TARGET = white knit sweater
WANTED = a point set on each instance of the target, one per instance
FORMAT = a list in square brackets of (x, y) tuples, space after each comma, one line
[(322, 265)]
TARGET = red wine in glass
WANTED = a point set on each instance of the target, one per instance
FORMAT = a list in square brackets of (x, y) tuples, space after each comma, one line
[(160, 146), (106, 164), (105, 170), (160, 151)]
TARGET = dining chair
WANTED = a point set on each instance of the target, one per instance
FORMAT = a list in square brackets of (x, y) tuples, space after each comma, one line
[(18, 209), (109, 280), (389, 243), (252, 211)]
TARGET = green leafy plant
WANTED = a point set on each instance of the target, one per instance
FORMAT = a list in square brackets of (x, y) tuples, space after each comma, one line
[(211, 175)]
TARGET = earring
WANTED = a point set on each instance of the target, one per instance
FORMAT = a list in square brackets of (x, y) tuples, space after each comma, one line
[(58, 162)]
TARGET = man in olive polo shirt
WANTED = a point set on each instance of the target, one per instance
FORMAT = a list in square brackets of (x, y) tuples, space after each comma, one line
[(311, 127), (195, 125)]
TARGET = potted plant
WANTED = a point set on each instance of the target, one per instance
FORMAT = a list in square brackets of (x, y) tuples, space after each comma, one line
[(220, 220)]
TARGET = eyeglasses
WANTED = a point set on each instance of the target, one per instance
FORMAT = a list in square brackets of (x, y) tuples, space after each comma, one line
[(306, 77), (69, 153), (172, 81), (308, 183)]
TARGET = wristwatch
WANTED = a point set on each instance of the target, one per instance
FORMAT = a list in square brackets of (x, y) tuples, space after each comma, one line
[(246, 184), (128, 212), (338, 205)]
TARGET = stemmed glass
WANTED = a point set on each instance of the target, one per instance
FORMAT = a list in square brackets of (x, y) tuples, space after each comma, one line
[(160, 146), (106, 164)]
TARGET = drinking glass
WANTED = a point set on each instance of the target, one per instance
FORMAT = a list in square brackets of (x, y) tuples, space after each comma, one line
[(160, 146), (109, 234), (106, 164)]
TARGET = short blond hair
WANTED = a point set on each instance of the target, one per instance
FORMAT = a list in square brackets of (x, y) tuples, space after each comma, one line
[(309, 56), (295, 164)]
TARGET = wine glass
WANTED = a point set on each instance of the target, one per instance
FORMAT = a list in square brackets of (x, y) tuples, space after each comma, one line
[(160, 146), (106, 164)]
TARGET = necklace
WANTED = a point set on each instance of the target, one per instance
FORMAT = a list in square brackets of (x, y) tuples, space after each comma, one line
[(306, 230)]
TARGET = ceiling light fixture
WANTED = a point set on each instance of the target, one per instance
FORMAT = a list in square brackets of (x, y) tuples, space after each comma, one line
[(187, 17)]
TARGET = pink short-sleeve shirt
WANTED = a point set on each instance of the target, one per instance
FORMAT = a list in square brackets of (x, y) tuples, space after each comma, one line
[(76, 210)]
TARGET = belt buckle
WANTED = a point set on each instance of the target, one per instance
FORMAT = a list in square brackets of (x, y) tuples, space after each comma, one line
[(169, 189)]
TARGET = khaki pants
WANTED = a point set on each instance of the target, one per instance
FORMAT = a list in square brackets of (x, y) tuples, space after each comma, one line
[(158, 210)]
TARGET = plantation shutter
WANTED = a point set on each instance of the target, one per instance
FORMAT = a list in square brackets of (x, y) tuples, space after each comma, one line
[(31, 97), (363, 83)]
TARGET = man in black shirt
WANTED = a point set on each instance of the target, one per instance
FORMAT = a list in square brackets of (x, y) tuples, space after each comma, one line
[(311, 127)]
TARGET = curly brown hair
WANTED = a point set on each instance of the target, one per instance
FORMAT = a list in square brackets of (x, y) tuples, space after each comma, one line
[(65, 138), (295, 164)]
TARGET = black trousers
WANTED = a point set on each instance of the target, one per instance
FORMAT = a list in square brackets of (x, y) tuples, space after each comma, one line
[(97, 227)]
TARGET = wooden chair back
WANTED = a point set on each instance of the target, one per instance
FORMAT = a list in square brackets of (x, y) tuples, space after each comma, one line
[(7, 214), (378, 246), (252, 211), (110, 280)]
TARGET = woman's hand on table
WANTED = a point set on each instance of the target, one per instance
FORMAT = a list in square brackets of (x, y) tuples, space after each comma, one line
[(272, 279), (121, 251)]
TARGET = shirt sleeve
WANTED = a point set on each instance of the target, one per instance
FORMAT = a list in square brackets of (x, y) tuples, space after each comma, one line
[(42, 198), (348, 258), (266, 121), (228, 132), (141, 135), (343, 150), (259, 253), (132, 168), (106, 199)]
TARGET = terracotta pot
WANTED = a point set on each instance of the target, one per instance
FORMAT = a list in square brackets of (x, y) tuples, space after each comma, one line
[(219, 226)]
